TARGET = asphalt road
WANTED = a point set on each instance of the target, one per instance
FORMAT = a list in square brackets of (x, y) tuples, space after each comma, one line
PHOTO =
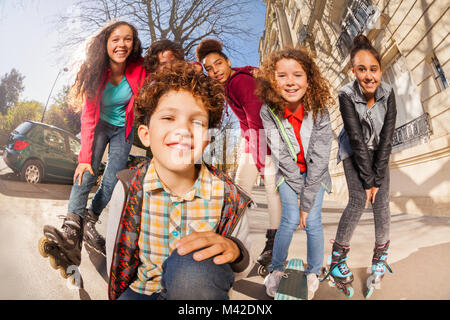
[(419, 255)]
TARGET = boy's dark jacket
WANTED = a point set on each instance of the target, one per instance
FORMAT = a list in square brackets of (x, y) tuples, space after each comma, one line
[(125, 257)]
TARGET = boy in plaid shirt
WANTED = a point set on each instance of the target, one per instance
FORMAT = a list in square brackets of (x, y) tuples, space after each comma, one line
[(177, 228)]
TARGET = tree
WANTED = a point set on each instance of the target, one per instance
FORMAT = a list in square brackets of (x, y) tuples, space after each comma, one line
[(62, 115), (11, 86), (221, 150), (184, 21), (72, 118), (55, 117), (22, 111)]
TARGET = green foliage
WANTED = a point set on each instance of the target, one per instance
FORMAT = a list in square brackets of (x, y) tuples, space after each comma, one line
[(62, 115), (11, 85), (22, 111)]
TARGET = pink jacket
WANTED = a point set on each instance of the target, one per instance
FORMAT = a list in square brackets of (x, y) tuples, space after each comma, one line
[(240, 92), (135, 75)]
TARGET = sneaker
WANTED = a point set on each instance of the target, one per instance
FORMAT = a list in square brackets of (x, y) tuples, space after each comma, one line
[(313, 284), (272, 281)]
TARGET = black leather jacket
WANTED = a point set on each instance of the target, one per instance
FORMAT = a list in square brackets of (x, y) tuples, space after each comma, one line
[(352, 104)]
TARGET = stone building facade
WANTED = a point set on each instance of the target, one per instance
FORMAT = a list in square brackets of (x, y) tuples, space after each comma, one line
[(412, 38)]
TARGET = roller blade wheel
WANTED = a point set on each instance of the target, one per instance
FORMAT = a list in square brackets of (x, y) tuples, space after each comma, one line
[(368, 292), (372, 283), (49, 249), (346, 289), (263, 270)]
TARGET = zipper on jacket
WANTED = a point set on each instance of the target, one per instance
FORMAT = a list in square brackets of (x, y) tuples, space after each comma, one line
[(279, 183), (325, 187)]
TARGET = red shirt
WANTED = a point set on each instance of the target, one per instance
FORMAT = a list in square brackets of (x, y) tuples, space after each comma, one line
[(296, 120)]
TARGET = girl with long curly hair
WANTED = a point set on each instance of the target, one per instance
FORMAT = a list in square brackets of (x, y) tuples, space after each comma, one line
[(255, 157), (107, 82), (298, 130)]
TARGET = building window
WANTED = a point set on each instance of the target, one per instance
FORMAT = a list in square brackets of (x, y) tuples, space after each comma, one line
[(302, 35), (359, 16), (438, 73), (412, 125)]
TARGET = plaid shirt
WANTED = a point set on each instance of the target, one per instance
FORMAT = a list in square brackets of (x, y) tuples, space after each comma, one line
[(167, 218)]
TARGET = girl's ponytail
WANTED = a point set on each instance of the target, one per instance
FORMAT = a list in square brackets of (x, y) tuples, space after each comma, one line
[(361, 42)]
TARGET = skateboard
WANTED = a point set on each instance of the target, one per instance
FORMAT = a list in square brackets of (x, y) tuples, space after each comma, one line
[(293, 285)]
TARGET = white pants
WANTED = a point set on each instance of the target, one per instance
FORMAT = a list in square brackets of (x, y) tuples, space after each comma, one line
[(246, 176)]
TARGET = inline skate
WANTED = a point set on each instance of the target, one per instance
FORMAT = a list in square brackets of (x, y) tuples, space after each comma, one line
[(338, 271), (91, 236), (63, 247), (265, 258), (378, 269)]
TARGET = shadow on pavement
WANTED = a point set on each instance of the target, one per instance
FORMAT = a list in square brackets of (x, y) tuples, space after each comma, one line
[(84, 295), (251, 289), (408, 282), (12, 186), (99, 262)]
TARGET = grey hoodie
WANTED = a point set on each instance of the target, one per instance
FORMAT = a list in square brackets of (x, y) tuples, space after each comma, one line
[(316, 139)]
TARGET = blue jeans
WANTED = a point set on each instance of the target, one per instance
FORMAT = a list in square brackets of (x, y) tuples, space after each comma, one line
[(290, 219), (184, 278), (119, 149)]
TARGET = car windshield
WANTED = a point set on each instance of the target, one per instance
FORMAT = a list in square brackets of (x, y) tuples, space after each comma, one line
[(23, 128)]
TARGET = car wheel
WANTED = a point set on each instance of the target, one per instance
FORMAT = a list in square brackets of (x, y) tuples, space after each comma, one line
[(32, 172)]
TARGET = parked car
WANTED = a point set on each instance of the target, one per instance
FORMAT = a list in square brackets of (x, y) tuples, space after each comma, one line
[(38, 151)]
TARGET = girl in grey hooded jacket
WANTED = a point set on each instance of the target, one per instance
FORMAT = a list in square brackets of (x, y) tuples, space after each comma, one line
[(298, 131)]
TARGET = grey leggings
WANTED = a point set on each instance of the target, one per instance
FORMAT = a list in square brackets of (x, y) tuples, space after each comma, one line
[(355, 207)]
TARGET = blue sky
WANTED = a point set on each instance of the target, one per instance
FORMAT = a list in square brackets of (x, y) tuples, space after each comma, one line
[(29, 38)]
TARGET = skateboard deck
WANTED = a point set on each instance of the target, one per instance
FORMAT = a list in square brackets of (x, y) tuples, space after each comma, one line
[(293, 286)]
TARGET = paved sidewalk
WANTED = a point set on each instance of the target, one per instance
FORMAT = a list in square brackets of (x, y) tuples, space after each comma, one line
[(419, 256)]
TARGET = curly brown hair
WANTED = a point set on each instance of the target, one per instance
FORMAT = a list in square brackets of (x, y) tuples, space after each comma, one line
[(92, 70), (316, 98), (151, 60), (178, 76)]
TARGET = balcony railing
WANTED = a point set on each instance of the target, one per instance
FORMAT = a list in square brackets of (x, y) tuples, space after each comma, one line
[(412, 133)]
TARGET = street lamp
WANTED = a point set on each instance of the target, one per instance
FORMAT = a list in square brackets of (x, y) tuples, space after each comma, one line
[(48, 99)]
